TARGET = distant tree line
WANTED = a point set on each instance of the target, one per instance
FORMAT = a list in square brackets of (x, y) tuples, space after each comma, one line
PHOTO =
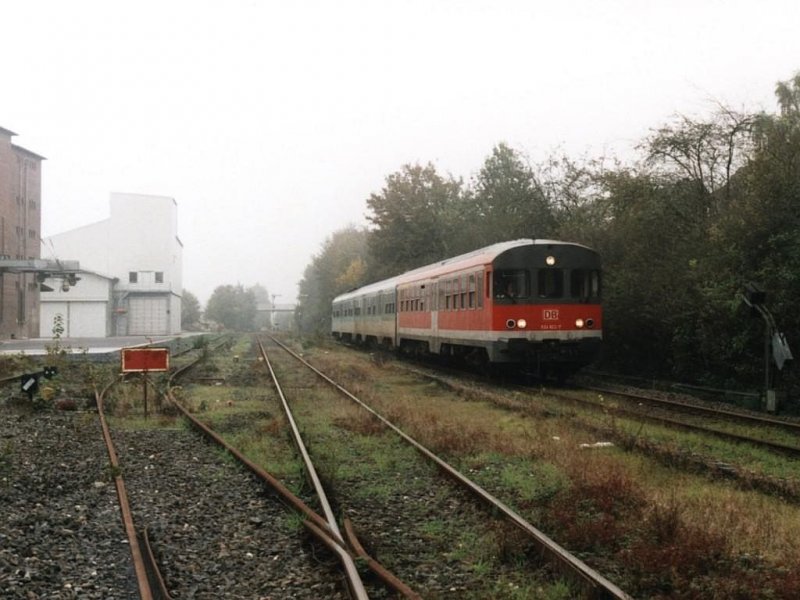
[(230, 307), (707, 205)]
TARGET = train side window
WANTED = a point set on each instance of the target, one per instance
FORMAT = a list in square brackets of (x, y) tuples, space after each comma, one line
[(471, 291), (480, 290), (463, 291), (551, 283)]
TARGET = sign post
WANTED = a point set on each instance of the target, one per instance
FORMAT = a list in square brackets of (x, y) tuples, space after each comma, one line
[(144, 360)]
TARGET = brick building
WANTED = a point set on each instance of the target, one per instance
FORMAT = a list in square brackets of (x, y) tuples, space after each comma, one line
[(20, 231)]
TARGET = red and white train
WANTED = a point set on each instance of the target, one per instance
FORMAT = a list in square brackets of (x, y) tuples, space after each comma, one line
[(529, 303)]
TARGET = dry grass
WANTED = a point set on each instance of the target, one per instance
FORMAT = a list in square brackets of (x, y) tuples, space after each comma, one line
[(676, 535)]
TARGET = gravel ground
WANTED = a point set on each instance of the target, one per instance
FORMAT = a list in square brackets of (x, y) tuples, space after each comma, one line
[(60, 530), (214, 529)]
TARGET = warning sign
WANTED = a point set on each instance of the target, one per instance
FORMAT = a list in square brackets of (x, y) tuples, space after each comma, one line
[(139, 360)]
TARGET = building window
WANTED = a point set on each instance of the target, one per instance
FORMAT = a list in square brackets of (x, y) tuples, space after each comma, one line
[(32, 234), (133, 277), (159, 277)]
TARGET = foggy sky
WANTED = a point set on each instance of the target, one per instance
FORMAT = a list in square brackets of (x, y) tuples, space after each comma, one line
[(270, 123)]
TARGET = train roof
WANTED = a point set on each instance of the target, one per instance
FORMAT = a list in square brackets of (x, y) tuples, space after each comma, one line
[(480, 256)]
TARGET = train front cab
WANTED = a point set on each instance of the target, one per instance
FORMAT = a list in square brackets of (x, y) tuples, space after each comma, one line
[(546, 309)]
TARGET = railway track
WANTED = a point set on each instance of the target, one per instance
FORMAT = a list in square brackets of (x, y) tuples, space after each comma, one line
[(681, 407), (593, 583), (203, 526), (686, 407), (634, 399)]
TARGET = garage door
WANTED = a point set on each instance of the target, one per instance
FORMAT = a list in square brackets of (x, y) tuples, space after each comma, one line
[(87, 319), (147, 315), (80, 319)]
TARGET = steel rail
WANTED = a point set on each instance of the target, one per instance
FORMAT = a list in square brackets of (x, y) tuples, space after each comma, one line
[(729, 414), (314, 522), (725, 435), (354, 579), (139, 567), (155, 574), (598, 586)]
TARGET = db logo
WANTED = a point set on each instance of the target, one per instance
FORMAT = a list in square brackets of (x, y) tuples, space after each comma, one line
[(550, 314)]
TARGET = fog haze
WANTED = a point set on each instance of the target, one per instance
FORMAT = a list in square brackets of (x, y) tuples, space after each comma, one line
[(270, 123)]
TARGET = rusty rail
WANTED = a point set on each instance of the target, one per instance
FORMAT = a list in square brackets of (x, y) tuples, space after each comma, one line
[(315, 523), (354, 579), (597, 585), (704, 410), (139, 565)]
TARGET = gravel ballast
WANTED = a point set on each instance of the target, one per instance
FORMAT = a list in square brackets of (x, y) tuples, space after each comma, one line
[(60, 530)]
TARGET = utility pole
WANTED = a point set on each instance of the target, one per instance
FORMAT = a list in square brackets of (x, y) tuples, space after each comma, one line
[(272, 312)]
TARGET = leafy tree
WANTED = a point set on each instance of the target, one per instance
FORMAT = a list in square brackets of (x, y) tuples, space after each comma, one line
[(339, 266), (233, 307), (261, 294), (704, 152), (506, 200), (414, 220), (761, 232), (190, 310)]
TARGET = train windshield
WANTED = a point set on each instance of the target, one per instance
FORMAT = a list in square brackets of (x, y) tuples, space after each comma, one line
[(511, 284), (585, 284), (551, 283)]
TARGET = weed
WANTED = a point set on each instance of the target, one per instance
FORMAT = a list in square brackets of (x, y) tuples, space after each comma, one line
[(599, 509)]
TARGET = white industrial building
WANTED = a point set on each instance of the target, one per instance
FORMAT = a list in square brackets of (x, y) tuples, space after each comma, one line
[(131, 276)]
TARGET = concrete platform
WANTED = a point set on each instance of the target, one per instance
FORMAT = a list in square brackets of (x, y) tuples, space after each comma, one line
[(93, 346)]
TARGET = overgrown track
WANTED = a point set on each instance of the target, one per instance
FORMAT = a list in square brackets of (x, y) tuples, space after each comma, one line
[(354, 580), (595, 585), (210, 528), (686, 408), (325, 530)]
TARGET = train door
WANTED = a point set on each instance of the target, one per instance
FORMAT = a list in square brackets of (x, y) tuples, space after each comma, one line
[(396, 304), (433, 302)]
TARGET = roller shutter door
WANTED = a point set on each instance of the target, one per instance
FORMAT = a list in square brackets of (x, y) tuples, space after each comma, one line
[(147, 315)]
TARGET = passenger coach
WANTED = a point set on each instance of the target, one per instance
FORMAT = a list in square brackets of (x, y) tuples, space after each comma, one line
[(532, 303)]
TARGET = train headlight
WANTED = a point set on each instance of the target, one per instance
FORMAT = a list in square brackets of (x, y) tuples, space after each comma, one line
[(550, 260), (511, 323), (589, 323), (522, 323), (579, 323)]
